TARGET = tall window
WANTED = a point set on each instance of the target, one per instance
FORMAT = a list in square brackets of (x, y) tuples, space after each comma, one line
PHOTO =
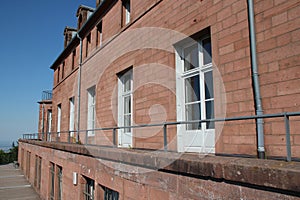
[(72, 116), (52, 177), (73, 59), (99, 34), (58, 74), (91, 110), (89, 189), (126, 11), (63, 70), (59, 183), (28, 164), (58, 119), (49, 114), (196, 80), (125, 108), (38, 170), (88, 43)]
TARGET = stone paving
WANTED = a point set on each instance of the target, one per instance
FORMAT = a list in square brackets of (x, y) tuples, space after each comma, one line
[(14, 186)]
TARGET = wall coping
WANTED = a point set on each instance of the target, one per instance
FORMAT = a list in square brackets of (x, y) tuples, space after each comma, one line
[(273, 175)]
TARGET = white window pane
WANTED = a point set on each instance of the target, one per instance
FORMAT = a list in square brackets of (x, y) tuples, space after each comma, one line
[(206, 51), (127, 122), (127, 82), (193, 112), (192, 89), (191, 57), (127, 105), (210, 114), (209, 85)]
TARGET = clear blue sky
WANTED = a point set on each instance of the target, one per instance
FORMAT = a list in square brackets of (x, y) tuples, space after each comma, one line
[(31, 36)]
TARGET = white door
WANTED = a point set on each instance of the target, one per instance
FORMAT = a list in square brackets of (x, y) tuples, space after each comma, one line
[(49, 124), (91, 111), (125, 109), (58, 119), (72, 116), (195, 96)]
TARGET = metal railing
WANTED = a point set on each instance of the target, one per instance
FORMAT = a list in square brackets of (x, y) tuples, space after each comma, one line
[(55, 136), (47, 95)]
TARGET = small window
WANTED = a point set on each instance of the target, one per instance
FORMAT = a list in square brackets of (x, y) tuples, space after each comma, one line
[(52, 177), (59, 182), (107, 193), (38, 170), (126, 12), (89, 189)]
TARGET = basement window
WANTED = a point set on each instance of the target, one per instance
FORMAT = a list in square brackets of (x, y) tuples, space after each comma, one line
[(89, 189), (107, 193)]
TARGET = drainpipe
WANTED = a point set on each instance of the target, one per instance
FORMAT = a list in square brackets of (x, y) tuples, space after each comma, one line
[(256, 85), (79, 88)]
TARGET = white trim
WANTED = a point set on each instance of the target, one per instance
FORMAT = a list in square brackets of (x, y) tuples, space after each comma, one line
[(203, 139), (121, 116), (58, 119), (91, 110), (72, 115)]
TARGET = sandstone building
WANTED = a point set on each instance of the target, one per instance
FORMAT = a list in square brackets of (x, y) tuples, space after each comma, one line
[(172, 99)]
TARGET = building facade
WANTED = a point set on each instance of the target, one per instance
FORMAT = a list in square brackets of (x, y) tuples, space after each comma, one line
[(159, 99)]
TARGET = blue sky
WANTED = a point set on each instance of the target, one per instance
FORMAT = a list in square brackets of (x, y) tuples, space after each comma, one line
[(31, 39)]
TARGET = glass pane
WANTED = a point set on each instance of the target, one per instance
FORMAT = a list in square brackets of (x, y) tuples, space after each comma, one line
[(209, 85), (192, 89), (210, 114), (193, 112), (191, 57), (127, 82), (127, 105), (206, 51), (127, 122)]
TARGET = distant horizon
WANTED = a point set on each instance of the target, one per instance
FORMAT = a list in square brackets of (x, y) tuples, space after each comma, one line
[(33, 37)]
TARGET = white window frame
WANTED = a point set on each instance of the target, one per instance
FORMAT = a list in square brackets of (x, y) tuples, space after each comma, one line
[(72, 116), (121, 108), (201, 145), (49, 120), (58, 119), (91, 110)]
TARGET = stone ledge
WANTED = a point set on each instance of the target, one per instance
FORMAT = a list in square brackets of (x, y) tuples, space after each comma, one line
[(279, 175)]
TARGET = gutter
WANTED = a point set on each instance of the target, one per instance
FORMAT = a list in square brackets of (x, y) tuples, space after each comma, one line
[(256, 84)]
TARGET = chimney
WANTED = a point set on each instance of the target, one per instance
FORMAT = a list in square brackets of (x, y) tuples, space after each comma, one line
[(69, 33), (83, 13), (98, 2)]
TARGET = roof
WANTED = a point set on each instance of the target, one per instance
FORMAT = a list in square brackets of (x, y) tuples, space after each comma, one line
[(84, 30)]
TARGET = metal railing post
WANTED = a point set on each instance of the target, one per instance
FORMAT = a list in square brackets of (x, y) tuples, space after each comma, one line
[(287, 138), (114, 137), (86, 136), (69, 136), (165, 138)]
